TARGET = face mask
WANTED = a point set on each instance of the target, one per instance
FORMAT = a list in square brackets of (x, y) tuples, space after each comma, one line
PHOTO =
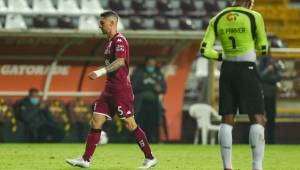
[(35, 100), (150, 69)]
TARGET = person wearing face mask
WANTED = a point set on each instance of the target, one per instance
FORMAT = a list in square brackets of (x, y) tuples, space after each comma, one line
[(30, 112), (148, 84)]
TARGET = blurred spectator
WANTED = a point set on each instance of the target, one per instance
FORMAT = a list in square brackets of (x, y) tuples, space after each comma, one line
[(40, 21), (8, 123), (269, 73), (161, 23), (211, 7), (186, 24), (136, 23), (57, 124), (31, 112), (148, 84), (197, 86), (80, 115)]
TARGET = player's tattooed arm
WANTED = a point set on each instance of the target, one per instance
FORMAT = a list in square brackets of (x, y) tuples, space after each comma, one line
[(119, 62)]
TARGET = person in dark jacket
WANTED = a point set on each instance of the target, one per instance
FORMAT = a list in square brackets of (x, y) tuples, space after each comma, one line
[(31, 113), (269, 73), (148, 84), (40, 126)]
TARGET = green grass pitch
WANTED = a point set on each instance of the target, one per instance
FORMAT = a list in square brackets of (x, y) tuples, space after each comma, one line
[(129, 157)]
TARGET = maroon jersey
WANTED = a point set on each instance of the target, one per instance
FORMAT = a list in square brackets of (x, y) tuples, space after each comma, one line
[(117, 96), (118, 80)]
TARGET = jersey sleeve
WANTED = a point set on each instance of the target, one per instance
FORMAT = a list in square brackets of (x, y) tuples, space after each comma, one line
[(261, 43), (120, 48), (207, 44)]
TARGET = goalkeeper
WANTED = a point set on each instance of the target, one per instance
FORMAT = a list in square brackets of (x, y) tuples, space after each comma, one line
[(241, 32)]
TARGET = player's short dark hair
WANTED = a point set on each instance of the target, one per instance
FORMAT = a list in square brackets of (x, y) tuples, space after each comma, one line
[(109, 14)]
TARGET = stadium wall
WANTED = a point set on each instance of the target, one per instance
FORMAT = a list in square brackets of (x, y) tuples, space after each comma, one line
[(26, 58)]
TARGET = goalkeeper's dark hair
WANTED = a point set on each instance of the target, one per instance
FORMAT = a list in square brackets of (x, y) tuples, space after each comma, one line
[(110, 14), (251, 2)]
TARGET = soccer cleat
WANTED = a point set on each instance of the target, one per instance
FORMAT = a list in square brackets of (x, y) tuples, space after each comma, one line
[(148, 163), (80, 162)]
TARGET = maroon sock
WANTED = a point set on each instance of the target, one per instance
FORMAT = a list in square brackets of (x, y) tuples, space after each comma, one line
[(92, 140), (142, 141)]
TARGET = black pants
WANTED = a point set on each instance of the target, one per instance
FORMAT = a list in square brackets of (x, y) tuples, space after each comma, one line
[(270, 107), (148, 120)]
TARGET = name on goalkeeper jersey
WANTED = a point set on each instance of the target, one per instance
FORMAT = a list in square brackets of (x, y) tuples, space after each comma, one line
[(233, 30)]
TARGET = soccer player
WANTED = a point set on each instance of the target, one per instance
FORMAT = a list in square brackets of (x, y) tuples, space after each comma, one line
[(117, 96), (241, 31)]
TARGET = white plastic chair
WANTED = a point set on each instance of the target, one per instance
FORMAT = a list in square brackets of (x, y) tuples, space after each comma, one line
[(15, 21), (68, 6), (202, 113), (18, 6), (91, 7), (43, 6), (88, 23)]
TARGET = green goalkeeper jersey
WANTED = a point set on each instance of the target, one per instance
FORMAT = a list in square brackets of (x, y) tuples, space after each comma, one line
[(240, 31)]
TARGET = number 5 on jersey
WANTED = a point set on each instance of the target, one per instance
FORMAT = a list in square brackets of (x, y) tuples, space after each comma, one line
[(120, 110)]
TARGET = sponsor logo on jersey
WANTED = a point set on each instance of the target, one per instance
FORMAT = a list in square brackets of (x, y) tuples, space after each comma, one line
[(120, 48), (232, 16)]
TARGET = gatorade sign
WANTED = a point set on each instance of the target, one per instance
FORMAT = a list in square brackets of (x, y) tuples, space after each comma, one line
[(32, 70)]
